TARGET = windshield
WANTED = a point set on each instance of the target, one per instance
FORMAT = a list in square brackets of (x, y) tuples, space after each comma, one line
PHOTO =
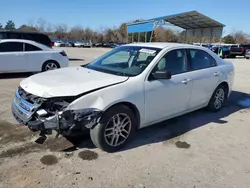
[(125, 60)]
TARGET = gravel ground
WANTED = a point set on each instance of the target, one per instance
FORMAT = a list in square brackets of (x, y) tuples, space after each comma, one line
[(200, 149)]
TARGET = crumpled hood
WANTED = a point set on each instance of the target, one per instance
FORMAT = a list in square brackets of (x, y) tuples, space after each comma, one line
[(70, 81)]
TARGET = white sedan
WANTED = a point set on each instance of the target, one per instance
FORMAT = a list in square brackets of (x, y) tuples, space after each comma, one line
[(29, 56), (130, 87)]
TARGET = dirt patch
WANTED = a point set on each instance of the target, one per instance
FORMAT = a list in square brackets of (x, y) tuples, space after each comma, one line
[(88, 155), (13, 133), (49, 160), (57, 144), (52, 144), (183, 145), (21, 150)]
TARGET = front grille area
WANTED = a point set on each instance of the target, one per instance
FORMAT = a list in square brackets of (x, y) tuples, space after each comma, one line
[(25, 95), (23, 109)]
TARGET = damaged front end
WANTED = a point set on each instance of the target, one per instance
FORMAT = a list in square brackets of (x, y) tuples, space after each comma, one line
[(45, 115)]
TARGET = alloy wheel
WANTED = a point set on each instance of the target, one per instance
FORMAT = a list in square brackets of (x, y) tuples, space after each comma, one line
[(219, 98), (117, 129), (50, 66)]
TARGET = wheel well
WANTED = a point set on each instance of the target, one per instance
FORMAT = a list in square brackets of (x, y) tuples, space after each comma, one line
[(134, 110), (225, 85)]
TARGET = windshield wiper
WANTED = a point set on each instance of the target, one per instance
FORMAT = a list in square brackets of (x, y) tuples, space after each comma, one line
[(121, 73)]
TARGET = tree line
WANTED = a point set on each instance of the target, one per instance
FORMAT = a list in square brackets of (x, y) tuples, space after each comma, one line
[(119, 34)]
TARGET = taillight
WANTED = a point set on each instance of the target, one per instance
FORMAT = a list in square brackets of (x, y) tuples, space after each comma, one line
[(63, 53), (242, 50)]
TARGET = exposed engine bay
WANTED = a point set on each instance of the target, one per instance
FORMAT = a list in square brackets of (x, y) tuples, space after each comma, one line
[(47, 114)]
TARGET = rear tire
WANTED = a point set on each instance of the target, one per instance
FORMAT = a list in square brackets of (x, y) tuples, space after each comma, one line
[(115, 130), (50, 65), (218, 99)]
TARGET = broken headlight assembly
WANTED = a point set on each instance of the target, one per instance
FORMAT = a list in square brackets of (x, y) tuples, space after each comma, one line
[(54, 115), (45, 115)]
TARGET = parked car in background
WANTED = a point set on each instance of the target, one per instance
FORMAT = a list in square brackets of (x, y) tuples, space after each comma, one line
[(221, 50), (98, 44), (107, 44), (78, 44), (128, 88), (34, 36), (236, 50), (87, 43), (17, 55), (247, 53), (72, 43), (215, 49), (67, 44), (59, 43), (247, 50)]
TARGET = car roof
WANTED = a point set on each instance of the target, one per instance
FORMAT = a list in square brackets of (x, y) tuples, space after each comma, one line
[(22, 32), (162, 45), (42, 46)]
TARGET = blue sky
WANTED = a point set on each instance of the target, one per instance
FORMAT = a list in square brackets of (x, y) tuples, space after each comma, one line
[(109, 13)]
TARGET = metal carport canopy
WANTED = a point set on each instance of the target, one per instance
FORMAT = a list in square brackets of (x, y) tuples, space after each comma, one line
[(190, 20)]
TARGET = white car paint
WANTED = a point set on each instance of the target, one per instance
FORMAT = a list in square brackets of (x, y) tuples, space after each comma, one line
[(29, 61), (155, 100), (78, 44), (58, 43), (79, 80)]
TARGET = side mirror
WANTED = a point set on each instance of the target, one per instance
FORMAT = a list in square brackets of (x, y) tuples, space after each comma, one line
[(162, 75)]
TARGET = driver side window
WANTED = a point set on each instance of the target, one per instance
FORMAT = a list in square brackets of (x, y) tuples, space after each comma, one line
[(174, 62), (118, 57)]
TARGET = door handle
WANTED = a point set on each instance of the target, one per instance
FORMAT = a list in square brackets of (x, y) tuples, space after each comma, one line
[(216, 74), (186, 81)]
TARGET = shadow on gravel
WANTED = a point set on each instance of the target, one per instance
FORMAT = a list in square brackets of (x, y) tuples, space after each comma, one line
[(14, 75), (167, 131), (76, 59), (173, 128), (170, 130)]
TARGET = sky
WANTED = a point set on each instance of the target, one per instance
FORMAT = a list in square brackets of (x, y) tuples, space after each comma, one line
[(98, 14)]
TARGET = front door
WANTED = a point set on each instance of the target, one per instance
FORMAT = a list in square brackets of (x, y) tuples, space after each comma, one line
[(12, 58), (165, 98)]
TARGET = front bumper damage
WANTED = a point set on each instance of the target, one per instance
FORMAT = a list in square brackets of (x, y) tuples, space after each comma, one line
[(47, 115)]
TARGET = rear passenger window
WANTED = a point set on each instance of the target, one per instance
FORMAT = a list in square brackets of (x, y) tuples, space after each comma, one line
[(29, 47), (11, 47), (200, 59)]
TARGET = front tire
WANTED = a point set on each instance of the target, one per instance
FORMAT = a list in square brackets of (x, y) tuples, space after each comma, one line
[(115, 129), (218, 99)]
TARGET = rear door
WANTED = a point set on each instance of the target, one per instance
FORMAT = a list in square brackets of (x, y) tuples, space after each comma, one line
[(204, 75), (35, 57), (12, 58)]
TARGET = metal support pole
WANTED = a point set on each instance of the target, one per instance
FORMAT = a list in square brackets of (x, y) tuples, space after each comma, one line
[(186, 36), (145, 36), (152, 32), (132, 37), (201, 37), (138, 37), (127, 37)]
